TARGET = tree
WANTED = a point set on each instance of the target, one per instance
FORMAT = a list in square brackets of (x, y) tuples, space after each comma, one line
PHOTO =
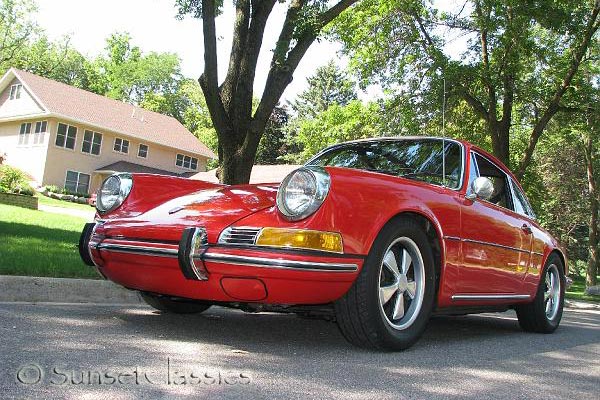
[(329, 85), (55, 60), (272, 147), (16, 28), (522, 57), (337, 124), (238, 127), (125, 73)]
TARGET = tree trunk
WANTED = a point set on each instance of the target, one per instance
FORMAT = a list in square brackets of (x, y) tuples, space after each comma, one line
[(592, 269), (501, 141)]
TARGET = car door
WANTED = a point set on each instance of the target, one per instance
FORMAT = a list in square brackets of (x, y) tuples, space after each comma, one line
[(495, 245)]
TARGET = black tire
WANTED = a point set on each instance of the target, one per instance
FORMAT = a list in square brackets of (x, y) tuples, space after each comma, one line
[(168, 305), (533, 317), (361, 313)]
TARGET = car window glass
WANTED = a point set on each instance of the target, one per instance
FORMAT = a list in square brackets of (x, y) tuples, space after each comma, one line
[(501, 195), (472, 173), (520, 201), (419, 159)]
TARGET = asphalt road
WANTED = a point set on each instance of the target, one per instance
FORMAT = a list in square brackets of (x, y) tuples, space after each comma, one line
[(123, 352)]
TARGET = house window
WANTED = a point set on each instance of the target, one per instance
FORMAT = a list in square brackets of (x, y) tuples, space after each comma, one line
[(24, 134), (65, 136), (186, 162), (15, 92), (91, 142), (143, 151), (41, 127), (121, 145), (77, 182)]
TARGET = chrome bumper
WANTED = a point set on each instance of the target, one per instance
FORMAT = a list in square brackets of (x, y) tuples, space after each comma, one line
[(193, 251)]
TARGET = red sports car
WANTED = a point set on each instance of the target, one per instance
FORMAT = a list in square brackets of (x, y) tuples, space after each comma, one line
[(377, 235)]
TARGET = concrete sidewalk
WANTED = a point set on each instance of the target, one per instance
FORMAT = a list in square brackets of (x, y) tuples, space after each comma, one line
[(87, 215)]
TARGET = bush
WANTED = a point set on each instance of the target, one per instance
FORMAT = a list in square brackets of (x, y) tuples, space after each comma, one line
[(53, 189), (13, 180)]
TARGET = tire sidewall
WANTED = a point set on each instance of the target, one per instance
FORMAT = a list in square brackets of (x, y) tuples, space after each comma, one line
[(550, 325), (391, 337)]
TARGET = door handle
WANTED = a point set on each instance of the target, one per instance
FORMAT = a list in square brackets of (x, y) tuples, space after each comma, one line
[(526, 229)]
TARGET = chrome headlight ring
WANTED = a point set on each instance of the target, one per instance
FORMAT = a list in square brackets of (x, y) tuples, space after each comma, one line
[(302, 192), (113, 192)]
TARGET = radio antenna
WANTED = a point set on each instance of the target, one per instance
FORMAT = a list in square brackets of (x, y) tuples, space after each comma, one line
[(444, 132)]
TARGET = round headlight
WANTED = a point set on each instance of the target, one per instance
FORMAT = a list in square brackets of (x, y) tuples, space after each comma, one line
[(302, 192), (113, 192)]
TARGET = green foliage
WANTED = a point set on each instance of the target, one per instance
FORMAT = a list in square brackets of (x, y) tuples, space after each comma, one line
[(52, 189), (13, 180), (329, 85), (337, 124), (273, 147), (126, 74), (16, 28)]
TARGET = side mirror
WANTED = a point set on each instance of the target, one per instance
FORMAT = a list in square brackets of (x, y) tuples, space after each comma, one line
[(482, 188)]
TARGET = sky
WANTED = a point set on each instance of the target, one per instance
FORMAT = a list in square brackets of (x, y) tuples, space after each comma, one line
[(153, 27)]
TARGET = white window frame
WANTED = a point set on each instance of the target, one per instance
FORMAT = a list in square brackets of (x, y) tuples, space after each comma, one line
[(40, 137), (183, 162), (78, 179), (91, 152), (147, 150), (120, 151), (15, 91), (24, 135), (64, 146)]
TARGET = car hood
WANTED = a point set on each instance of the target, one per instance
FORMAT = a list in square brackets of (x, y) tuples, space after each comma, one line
[(214, 209)]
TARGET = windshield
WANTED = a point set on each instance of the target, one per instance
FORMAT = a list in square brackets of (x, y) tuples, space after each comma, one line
[(418, 159)]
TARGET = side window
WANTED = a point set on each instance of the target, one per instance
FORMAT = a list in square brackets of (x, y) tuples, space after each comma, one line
[(520, 201), (501, 195), (473, 174)]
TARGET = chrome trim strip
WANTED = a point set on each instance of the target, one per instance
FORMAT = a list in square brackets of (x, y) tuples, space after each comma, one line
[(495, 245), (537, 254), (274, 263), (220, 258), (491, 297), (135, 249), (490, 244), (452, 238)]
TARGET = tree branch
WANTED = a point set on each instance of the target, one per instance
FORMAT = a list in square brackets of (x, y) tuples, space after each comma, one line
[(553, 106), (284, 63), (209, 80)]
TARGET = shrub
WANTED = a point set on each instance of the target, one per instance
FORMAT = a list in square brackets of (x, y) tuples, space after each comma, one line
[(13, 180), (53, 189)]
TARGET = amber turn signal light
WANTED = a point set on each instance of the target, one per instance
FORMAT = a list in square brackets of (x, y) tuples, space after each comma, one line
[(301, 239)]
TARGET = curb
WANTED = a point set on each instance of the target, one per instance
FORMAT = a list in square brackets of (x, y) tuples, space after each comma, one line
[(63, 290), (28, 289)]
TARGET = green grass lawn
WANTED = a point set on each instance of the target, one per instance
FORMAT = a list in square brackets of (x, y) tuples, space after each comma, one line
[(47, 201), (577, 289), (36, 243)]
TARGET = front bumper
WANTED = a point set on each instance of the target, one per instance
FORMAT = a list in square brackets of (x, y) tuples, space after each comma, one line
[(194, 269)]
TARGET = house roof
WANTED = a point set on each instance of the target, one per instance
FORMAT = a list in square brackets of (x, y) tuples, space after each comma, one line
[(124, 166), (260, 173), (104, 113)]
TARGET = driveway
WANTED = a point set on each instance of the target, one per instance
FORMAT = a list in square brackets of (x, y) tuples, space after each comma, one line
[(127, 352)]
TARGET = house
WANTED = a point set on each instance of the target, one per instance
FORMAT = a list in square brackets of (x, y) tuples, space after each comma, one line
[(68, 137)]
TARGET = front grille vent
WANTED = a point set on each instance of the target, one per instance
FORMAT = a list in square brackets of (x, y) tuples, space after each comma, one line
[(242, 236)]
